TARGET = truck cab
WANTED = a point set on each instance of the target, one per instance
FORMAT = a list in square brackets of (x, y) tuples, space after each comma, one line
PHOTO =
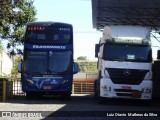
[(124, 63)]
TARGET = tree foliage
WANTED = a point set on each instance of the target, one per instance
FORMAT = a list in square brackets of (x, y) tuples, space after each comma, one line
[(1, 47), (82, 58), (87, 66), (13, 17), (14, 71)]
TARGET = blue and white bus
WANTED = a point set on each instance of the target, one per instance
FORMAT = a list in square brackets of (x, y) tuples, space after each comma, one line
[(48, 65)]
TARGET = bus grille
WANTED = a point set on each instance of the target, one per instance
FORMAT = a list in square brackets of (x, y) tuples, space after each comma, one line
[(126, 76)]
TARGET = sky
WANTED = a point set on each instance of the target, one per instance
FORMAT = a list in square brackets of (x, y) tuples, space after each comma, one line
[(79, 14)]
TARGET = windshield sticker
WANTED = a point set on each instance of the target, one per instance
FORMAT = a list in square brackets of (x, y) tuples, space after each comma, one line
[(131, 57)]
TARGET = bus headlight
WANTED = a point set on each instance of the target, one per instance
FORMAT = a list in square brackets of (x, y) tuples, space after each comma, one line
[(106, 88), (64, 81), (30, 81), (146, 90)]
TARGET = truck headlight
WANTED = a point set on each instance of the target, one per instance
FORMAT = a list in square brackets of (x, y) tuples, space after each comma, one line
[(106, 88), (146, 90)]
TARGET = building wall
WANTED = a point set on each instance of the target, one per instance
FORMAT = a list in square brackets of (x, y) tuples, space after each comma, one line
[(6, 64), (84, 76)]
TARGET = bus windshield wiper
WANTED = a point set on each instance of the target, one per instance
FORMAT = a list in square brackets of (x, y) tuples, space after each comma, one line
[(54, 72), (49, 71), (30, 72)]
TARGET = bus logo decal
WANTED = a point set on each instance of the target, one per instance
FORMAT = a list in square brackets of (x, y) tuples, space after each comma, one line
[(48, 47)]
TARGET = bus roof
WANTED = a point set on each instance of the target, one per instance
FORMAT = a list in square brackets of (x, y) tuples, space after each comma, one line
[(48, 23)]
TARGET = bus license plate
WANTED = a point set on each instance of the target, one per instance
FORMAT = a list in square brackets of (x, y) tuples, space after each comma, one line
[(47, 87), (136, 94)]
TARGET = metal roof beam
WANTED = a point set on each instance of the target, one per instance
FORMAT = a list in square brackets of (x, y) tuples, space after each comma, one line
[(140, 12), (143, 12), (124, 21)]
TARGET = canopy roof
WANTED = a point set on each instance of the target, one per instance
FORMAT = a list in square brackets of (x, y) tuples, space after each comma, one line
[(122, 12)]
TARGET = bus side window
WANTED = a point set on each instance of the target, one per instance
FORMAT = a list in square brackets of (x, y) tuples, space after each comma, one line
[(31, 36), (40, 36), (56, 37)]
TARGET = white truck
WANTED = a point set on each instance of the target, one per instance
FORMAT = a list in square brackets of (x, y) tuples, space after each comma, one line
[(124, 63)]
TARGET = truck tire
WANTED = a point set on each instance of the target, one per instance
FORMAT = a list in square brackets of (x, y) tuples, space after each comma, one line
[(96, 85), (147, 102), (95, 89), (99, 99)]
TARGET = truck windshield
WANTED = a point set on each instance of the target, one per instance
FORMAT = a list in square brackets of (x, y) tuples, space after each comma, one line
[(135, 53), (48, 62)]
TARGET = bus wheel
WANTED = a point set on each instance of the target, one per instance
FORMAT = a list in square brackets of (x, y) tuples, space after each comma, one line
[(29, 95), (66, 96)]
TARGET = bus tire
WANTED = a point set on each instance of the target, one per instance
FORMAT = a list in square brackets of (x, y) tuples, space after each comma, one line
[(29, 95), (66, 96)]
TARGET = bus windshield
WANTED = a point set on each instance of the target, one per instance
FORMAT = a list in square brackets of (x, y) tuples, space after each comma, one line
[(47, 62), (42, 34)]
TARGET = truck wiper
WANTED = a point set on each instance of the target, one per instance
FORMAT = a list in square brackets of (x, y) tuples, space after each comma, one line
[(119, 59), (137, 59)]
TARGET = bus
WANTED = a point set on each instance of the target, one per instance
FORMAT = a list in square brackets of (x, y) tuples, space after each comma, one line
[(48, 65)]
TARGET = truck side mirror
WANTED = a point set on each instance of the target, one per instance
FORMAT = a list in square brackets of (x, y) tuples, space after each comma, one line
[(75, 68), (158, 54), (96, 50), (20, 66)]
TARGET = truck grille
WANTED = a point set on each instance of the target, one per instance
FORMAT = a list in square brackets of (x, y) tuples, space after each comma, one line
[(126, 76)]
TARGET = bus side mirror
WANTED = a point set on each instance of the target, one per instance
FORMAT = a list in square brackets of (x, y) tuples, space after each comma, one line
[(19, 51), (158, 54), (96, 50), (20, 66), (75, 68)]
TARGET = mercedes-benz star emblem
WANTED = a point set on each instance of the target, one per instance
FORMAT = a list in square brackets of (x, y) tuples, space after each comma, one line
[(127, 72)]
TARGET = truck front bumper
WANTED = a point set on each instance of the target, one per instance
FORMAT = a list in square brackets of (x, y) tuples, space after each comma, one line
[(110, 90)]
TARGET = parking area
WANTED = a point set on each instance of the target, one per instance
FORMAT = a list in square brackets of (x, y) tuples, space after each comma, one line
[(80, 106)]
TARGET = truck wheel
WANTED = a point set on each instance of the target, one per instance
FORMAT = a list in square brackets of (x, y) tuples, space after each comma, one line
[(147, 102), (99, 99), (95, 89)]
